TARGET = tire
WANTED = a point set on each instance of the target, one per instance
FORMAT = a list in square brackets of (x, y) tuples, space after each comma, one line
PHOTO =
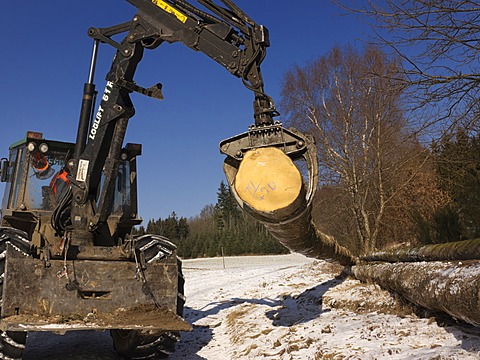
[(132, 344), (12, 343)]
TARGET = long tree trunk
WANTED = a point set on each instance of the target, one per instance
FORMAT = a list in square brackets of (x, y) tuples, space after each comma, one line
[(451, 287), (459, 250)]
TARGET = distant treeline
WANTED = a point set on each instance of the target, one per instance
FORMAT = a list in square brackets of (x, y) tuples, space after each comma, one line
[(220, 229)]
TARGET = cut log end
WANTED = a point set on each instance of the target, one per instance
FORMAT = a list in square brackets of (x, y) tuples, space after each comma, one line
[(268, 180), (271, 189)]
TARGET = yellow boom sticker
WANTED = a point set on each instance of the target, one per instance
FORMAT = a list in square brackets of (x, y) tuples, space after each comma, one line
[(163, 5)]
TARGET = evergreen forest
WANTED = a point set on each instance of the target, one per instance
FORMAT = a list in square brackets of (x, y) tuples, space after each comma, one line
[(220, 229)]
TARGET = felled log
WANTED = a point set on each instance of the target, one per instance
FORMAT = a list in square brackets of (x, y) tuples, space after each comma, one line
[(269, 187), (458, 250), (452, 286)]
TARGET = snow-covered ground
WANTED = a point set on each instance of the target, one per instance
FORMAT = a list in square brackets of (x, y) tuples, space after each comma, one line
[(283, 307)]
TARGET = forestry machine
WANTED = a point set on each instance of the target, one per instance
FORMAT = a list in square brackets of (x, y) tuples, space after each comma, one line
[(68, 259)]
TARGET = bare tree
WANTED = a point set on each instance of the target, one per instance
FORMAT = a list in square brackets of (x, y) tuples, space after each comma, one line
[(439, 42), (351, 102), (420, 199)]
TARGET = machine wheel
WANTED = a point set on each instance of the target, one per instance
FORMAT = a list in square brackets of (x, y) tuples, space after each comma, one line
[(12, 343), (132, 344)]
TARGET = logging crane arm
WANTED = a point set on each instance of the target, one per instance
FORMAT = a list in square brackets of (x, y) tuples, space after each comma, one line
[(229, 37)]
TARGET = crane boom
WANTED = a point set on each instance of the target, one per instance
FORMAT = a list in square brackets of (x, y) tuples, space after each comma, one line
[(225, 34)]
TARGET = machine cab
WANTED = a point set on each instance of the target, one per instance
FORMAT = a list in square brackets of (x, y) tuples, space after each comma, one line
[(36, 176), (31, 171)]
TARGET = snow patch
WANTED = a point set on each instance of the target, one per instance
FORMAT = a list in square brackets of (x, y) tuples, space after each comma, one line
[(283, 307)]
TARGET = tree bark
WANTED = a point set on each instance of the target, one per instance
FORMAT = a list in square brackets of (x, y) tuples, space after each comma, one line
[(452, 286), (459, 250)]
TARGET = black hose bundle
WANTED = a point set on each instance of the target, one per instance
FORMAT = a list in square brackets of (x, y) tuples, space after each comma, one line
[(61, 220)]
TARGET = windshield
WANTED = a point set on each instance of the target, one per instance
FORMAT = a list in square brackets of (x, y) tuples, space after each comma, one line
[(46, 179), (12, 191), (121, 203)]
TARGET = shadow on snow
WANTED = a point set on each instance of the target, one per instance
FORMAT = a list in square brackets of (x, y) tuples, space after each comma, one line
[(286, 311)]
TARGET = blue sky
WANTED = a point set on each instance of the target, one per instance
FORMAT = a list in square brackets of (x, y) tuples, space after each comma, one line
[(45, 60)]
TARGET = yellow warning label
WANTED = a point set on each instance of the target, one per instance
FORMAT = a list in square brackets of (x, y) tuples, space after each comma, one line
[(168, 8)]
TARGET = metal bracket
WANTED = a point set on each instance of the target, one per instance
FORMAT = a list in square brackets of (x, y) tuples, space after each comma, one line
[(105, 34), (154, 91), (290, 141)]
